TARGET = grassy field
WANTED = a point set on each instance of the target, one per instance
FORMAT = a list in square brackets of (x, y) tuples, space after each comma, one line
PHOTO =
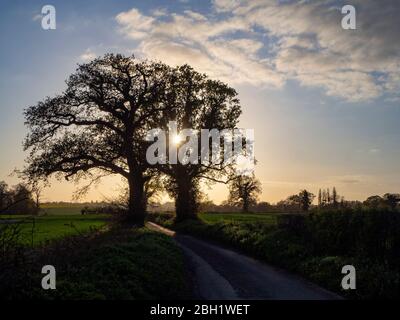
[(268, 218), (64, 208), (50, 227)]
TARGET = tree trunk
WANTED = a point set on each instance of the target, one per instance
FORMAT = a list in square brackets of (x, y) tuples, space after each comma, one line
[(245, 208), (186, 199), (137, 201)]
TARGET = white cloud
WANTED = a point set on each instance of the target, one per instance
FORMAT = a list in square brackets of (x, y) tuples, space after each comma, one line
[(248, 45), (280, 41), (195, 15), (194, 39), (88, 55), (135, 24)]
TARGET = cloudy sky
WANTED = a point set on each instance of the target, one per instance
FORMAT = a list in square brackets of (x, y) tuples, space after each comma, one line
[(324, 102)]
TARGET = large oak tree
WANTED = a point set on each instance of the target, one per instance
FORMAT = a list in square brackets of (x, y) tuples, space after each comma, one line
[(97, 125), (196, 102)]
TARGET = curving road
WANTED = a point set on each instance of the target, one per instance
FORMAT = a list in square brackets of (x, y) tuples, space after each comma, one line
[(219, 273)]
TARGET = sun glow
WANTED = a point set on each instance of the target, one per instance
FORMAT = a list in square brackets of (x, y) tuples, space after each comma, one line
[(177, 139)]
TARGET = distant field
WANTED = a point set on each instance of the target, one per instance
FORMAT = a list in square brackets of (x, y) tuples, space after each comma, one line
[(75, 210), (55, 226), (269, 218), (64, 208)]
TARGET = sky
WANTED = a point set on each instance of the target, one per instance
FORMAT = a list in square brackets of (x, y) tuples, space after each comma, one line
[(324, 102)]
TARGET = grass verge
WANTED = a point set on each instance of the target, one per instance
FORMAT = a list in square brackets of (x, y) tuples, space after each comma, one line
[(121, 264)]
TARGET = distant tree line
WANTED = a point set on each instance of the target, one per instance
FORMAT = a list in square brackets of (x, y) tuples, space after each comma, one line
[(301, 202)]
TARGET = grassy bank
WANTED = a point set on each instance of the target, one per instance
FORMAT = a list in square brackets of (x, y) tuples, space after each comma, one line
[(116, 264), (316, 246)]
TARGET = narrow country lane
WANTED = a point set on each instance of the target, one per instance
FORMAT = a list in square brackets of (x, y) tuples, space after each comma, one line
[(220, 273)]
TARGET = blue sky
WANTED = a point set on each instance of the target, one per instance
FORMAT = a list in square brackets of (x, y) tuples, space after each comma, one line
[(324, 102)]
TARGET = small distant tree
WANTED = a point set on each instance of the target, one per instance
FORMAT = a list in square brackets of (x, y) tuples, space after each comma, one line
[(319, 198), (293, 201), (306, 199), (21, 200), (334, 197), (324, 197), (374, 202), (391, 199), (244, 191), (4, 195), (342, 202)]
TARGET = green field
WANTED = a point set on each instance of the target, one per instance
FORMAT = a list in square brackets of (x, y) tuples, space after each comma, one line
[(50, 227), (64, 208), (268, 218), (65, 220)]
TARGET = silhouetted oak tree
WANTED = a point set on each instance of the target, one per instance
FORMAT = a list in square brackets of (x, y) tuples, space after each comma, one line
[(196, 102), (97, 125), (244, 191)]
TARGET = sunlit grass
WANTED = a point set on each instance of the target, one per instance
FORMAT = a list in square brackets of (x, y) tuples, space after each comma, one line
[(41, 229)]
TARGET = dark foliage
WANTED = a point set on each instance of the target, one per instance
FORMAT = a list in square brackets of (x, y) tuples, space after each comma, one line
[(17, 200)]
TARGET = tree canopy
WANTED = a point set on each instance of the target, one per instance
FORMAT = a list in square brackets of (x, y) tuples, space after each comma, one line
[(199, 103), (99, 124)]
